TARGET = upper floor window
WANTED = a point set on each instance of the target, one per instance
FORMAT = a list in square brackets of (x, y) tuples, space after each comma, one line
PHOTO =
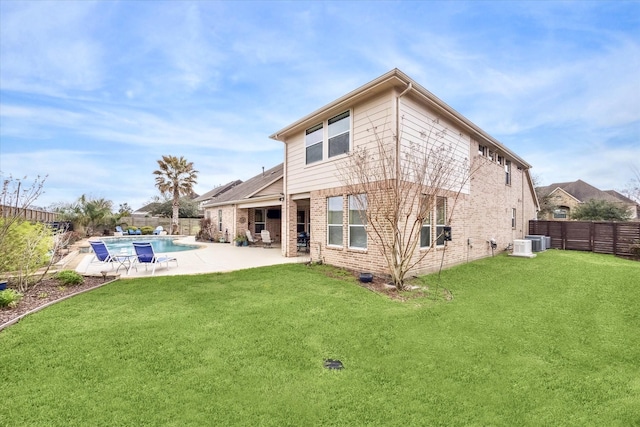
[(339, 127), (507, 172), (338, 138), (313, 143), (482, 150)]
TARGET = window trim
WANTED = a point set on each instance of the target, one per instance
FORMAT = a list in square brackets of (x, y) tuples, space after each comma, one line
[(220, 220), (513, 218), (335, 225), (440, 226), (427, 224), (307, 145), (507, 172), (561, 213), (256, 222), (324, 125), (363, 219)]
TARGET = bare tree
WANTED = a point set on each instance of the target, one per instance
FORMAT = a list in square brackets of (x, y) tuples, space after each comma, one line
[(15, 199), (24, 247), (399, 188), (633, 187)]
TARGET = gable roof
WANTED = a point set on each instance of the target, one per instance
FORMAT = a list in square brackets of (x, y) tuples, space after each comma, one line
[(580, 190), (397, 79), (621, 197), (218, 190), (247, 189)]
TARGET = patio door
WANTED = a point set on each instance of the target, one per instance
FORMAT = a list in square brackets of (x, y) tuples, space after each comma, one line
[(259, 221)]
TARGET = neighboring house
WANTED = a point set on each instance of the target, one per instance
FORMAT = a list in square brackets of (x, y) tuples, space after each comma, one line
[(558, 200), (146, 210), (216, 192), (496, 203), (255, 205)]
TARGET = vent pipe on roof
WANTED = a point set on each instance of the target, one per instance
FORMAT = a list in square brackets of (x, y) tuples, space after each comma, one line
[(263, 171)]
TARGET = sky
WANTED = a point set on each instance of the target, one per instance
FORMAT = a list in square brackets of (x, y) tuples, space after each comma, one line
[(92, 94)]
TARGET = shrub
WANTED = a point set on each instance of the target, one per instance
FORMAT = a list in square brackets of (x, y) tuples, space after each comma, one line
[(9, 298), (147, 229), (69, 277)]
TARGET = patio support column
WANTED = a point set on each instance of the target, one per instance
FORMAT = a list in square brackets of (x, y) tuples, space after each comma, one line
[(292, 223)]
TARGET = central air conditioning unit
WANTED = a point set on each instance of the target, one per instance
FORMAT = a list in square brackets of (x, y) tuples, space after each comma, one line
[(538, 243), (522, 248)]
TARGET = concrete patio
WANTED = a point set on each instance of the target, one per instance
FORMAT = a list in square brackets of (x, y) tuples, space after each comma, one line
[(209, 258)]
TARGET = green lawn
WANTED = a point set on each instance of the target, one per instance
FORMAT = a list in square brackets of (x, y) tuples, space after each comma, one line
[(553, 340)]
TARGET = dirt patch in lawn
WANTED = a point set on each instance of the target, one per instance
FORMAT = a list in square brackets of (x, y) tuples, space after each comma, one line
[(47, 292)]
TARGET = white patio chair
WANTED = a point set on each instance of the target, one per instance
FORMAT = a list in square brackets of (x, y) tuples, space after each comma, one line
[(266, 238)]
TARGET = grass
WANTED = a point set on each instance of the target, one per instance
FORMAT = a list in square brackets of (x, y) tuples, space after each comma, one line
[(545, 341)]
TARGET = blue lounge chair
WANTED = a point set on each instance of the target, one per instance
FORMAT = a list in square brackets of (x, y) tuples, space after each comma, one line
[(145, 255), (120, 230), (158, 230), (102, 255)]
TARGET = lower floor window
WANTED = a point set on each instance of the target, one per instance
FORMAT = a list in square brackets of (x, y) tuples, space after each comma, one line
[(334, 221), (358, 221), (259, 221)]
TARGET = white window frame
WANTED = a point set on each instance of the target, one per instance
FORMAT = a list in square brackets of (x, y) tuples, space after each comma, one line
[(311, 136), (441, 221), (507, 172), (326, 128), (426, 225), (256, 222), (219, 219), (561, 213), (354, 214), (336, 225), (331, 127), (513, 218)]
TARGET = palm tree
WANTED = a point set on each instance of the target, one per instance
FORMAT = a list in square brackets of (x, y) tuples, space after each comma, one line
[(176, 177)]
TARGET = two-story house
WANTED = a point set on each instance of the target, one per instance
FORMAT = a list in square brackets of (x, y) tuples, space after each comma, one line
[(494, 204)]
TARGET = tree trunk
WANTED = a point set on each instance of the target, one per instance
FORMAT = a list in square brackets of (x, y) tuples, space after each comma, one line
[(176, 212)]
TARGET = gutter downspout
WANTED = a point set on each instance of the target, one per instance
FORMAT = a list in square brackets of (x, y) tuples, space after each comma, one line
[(409, 87), (284, 225)]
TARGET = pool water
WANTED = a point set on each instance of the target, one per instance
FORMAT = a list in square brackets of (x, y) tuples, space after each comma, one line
[(160, 244)]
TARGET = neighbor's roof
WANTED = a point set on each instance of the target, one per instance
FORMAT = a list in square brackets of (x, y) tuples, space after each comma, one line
[(580, 190), (218, 191), (245, 190), (396, 78)]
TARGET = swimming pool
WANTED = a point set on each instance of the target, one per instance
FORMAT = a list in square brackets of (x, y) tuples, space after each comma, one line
[(159, 243)]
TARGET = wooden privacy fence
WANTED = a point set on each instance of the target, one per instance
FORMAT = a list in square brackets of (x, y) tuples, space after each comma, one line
[(617, 238), (28, 214)]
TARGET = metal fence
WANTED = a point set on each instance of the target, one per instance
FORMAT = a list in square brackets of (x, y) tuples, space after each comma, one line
[(617, 238)]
